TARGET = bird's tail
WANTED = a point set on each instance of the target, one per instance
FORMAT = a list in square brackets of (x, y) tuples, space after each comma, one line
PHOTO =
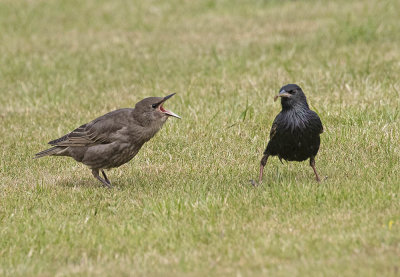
[(49, 152)]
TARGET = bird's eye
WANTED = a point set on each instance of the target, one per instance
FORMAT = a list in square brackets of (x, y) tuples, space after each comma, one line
[(293, 91), (154, 106)]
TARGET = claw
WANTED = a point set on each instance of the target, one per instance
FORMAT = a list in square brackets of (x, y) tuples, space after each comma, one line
[(253, 183)]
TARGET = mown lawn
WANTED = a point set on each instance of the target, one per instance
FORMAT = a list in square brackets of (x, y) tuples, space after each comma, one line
[(184, 205)]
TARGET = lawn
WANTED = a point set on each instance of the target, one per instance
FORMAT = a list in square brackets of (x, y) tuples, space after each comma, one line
[(184, 205)]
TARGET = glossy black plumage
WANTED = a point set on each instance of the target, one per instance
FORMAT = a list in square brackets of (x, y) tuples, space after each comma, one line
[(112, 139), (295, 132)]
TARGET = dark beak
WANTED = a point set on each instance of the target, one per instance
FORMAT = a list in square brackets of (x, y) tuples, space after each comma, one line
[(169, 113), (282, 93), (168, 97)]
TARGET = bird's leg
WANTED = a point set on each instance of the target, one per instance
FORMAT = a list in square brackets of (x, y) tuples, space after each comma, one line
[(95, 173), (262, 164), (105, 177), (312, 164)]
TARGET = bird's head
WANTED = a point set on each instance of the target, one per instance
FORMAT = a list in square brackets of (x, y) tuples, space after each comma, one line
[(292, 96), (151, 110)]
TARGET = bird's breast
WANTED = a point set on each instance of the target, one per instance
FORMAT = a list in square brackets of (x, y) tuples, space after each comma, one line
[(294, 121), (295, 138), (124, 154)]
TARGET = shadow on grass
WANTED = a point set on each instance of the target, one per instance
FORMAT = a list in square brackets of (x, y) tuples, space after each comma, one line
[(79, 183), (92, 183), (287, 176)]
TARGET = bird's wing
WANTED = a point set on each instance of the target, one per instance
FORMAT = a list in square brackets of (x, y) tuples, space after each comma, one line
[(272, 133), (316, 123), (274, 128), (99, 131)]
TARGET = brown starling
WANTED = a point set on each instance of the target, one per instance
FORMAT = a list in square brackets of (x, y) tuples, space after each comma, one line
[(114, 138)]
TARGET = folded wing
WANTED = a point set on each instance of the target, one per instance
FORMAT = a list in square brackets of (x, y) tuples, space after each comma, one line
[(100, 131)]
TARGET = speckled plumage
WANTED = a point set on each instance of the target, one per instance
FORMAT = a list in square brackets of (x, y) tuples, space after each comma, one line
[(112, 139), (295, 132)]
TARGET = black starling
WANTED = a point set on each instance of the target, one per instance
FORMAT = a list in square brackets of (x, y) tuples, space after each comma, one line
[(294, 135), (114, 138)]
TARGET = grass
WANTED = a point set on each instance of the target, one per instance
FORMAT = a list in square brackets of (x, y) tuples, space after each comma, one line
[(184, 205)]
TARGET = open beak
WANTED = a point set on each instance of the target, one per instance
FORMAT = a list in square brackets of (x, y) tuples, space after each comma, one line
[(163, 110), (282, 93)]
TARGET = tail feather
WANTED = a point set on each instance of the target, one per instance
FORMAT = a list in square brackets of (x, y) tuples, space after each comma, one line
[(49, 152)]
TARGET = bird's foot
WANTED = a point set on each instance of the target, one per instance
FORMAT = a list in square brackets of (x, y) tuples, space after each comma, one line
[(105, 181), (254, 183), (323, 179), (319, 180), (107, 185)]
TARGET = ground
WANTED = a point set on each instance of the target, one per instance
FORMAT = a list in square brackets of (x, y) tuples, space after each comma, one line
[(184, 205)]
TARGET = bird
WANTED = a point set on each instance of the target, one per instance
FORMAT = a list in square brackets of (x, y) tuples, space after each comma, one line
[(295, 132), (114, 138)]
